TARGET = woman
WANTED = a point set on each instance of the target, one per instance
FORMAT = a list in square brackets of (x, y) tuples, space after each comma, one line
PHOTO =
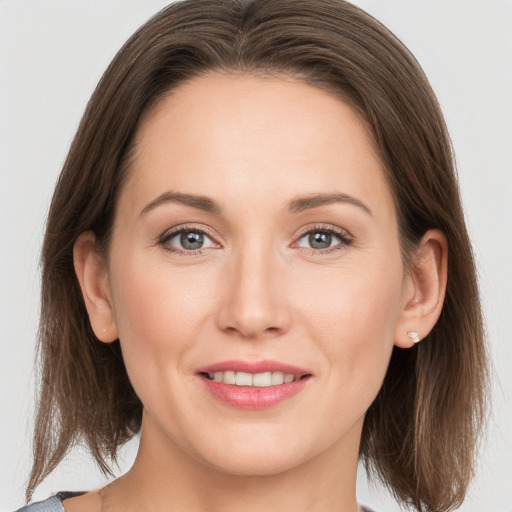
[(256, 256)]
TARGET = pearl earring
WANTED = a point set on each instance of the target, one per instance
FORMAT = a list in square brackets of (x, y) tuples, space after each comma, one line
[(414, 336)]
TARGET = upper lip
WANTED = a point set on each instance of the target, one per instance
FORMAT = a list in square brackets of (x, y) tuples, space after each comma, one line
[(254, 367)]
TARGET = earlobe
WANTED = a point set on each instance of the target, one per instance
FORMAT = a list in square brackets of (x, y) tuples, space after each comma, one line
[(424, 290), (92, 275)]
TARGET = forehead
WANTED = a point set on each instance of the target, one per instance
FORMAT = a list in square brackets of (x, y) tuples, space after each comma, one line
[(257, 135)]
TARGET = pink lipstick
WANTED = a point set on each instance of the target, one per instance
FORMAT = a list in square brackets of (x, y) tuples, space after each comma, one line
[(253, 384)]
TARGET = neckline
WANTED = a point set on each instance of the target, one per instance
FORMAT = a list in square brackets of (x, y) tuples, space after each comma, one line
[(63, 495)]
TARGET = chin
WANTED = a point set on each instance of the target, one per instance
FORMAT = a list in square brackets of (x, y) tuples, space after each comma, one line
[(260, 454), (263, 464)]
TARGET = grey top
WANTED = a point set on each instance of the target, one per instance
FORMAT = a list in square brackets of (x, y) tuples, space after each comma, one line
[(54, 504)]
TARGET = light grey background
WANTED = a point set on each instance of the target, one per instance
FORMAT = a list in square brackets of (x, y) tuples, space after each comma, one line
[(52, 52)]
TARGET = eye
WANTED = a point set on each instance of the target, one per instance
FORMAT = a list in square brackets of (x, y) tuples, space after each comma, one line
[(324, 238), (186, 240), (319, 239)]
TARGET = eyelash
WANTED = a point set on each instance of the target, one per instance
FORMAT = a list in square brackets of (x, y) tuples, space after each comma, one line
[(169, 235), (345, 239)]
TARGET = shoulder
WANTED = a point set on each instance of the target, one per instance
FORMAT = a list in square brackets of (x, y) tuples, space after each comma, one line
[(53, 504)]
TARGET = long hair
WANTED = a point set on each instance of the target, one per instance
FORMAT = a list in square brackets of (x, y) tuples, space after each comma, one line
[(420, 434)]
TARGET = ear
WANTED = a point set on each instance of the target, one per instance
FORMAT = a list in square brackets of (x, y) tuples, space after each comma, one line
[(92, 273), (424, 289)]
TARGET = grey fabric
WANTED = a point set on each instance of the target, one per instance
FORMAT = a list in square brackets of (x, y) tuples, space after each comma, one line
[(53, 504)]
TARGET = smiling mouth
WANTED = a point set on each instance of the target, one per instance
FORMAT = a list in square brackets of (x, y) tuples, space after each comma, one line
[(254, 385), (262, 380)]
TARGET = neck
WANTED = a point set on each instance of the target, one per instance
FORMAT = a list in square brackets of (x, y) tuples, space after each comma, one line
[(165, 476)]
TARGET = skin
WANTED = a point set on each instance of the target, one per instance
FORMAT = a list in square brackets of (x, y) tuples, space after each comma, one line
[(256, 290)]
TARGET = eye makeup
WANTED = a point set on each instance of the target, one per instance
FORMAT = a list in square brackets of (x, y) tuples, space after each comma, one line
[(193, 240)]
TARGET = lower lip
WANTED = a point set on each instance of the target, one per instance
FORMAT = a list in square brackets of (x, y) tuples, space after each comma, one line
[(247, 397)]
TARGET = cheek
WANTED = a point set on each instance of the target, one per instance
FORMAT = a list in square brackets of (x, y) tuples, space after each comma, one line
[(361, 301), (159, 313), (352, 313), (154, 303)]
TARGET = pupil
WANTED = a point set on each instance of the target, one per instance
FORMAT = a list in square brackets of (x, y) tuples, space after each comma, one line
[(320, 240), (190, 240)]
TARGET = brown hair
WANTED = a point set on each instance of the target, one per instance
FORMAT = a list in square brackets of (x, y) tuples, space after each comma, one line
[(420, 434)]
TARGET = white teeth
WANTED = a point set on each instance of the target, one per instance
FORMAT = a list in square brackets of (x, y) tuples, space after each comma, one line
[(261, 380), (243, 379), (288, 378), (277, 378), (228, 377)]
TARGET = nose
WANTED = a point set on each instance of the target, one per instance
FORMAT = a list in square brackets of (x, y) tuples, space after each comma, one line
[(253, 297)]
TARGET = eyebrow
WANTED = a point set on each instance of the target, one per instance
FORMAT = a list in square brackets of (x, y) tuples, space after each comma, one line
[(200, 202), (316, 200), (296, 205)]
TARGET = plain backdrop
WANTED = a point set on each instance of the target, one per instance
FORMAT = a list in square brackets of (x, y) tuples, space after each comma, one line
[(52, 53)]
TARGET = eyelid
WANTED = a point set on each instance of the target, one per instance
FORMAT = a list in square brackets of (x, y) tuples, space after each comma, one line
[(345, 237), (187, 227), (343, 233), (176, 230)]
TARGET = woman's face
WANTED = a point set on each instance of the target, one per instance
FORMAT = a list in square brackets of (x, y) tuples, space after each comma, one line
[(256, 225)]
